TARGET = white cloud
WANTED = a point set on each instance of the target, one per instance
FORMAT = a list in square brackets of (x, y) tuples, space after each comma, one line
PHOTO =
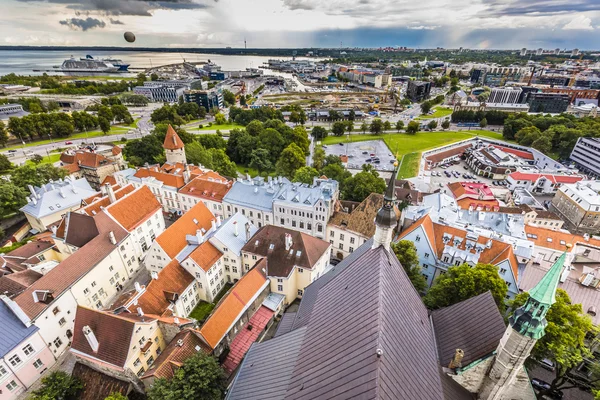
[(580, 22)]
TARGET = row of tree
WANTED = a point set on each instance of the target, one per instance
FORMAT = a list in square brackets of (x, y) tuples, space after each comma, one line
[(33, 104), (376, 127), (177, 114), (550, 134), (492, 117)]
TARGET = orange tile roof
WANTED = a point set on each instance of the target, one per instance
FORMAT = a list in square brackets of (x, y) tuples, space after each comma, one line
[(206, 255), (110, 179), (522, 176), (519, 153), (116, 150), (172, 280), (172, 140), (85, 159), (498, 251), (233, 304), (172, 240), (134, 208), (556, 240), (71, 168), (96, 203), (206, 189), (172, 180), (489, 205)]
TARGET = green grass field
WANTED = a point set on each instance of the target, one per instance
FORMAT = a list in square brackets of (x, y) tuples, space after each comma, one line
[(438, 113), (47, 160), (214, 127), (411, 146)]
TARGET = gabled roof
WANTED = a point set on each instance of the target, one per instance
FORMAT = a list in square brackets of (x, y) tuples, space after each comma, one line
[(174, 181), (135, 208), (58, 196), (556, 240), (173, 279), (15, 283), (519, 153), (110, 179), (97, 385), (113, 332), (230, 308), (360, 219), (77, 229), (172, 140), (206, 255), (183, 346), (226, 232), (12, 330), (474, 326), (269, 242), (206, 189), (61, 277), (554, 178), (173, 240), (95, 203), (85, 159)]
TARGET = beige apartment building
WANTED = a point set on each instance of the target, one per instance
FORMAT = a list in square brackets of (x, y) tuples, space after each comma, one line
[(579, 205)]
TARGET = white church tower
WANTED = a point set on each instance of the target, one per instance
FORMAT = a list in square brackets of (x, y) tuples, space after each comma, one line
[(174, 147)]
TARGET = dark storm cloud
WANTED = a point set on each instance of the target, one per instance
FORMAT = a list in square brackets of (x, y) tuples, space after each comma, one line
[(540, 7), (126, 7), (83, 24)]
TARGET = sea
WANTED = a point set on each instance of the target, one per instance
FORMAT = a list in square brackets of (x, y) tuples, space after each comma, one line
[(24, 62)]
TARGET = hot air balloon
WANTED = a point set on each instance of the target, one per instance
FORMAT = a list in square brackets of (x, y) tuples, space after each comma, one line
[(129, 36)]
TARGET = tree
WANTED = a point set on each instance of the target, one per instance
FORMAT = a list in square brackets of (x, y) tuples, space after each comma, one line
[(12, 198), (338, 128), (387, 125), (213, 141), (228, 97), (364, 127), (254, 128), (351, 115), (376, 126), (432, 124), (271, 140), (350, 125), (260, 159), (543, 144), (196, 154), (121, 113), (3, 134), (406, 253), (483, 123), (292, 158), (37, 159), (334, 115), (399, 125), (5, 163), (318, 132), (154, 76), (336, 172), (564, 339), (413, 127), (305, 175), (105, 112), (36, 175), (104, 125), (446, 124), (361, 185), (148, 149), (58, 386), (221, 163), (200, 377), (220, 119), (463, 282), (318, 158), (425, 107), (116, 396)]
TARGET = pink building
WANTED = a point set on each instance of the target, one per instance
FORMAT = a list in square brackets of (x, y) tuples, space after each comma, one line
[(24, 355)]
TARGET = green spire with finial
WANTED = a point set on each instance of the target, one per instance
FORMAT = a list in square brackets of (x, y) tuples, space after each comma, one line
[(530, 319)]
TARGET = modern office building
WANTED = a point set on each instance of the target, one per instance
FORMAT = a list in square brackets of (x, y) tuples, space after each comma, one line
[(549, 103), (509, 95), (586, 154), (418, 90), (204, 98)]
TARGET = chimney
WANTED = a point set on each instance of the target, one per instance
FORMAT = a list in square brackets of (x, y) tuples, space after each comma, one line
[(218, 221), (213, 225), (110, 193), (199, 236), (247, 231), (34, 201), (137, 286), (456, 361), (235, 228), (288, 241), (186, 176), (91, 338), (140, 312), (31, 190), (154, 275), (53, 228), (112, 238), (62, 193)]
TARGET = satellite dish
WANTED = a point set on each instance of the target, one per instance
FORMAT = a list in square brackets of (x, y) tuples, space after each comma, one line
[(129, 36)]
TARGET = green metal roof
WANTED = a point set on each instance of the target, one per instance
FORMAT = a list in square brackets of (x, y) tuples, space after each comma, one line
[(544, 292)]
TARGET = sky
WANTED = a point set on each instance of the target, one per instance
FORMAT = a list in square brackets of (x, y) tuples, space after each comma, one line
[(485, 24)]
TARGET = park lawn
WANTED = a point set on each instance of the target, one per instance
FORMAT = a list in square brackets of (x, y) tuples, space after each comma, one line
[(47, 160), (203, 309), (214, 127), (242, 169), (438, 113), (410, 165)]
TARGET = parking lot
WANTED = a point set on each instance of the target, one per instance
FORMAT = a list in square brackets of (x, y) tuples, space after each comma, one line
[(460, 173), (374, 152)]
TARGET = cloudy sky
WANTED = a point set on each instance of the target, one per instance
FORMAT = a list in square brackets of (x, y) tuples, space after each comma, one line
[(304, 23)]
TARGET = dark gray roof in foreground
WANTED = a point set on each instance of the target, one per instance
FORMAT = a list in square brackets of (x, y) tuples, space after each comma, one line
[(267, 368), (285, 325), (311, 292), (370, 305), (12, 330), (474, 325)]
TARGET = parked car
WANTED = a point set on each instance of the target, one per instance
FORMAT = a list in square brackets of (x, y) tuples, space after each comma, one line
[(12, 151), (341, 144), (547, 364), (376, 162), (392, 161), (365, 152), (541, 385), (368, 160), (68, 142)]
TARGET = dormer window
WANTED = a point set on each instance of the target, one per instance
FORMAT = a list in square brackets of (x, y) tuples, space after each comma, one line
[(42, 296)]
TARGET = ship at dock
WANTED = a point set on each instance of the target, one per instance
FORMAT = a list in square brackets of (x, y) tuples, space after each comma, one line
[(88, 66)]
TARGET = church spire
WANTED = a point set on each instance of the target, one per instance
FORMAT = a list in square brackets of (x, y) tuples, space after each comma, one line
[(530, 319), (387, 216)]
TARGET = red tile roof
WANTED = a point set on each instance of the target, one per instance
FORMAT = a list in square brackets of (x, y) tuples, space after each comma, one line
[(172, 180), (244, 339), (172, 280), (113, 332), (556, 240), (206, 189), (97, 202), (85, 159), (471, 190), (110, 179), (523, 176), (134, 208), (172, 140), (173, 240), (206, 255), (61, 277), (71, 168), (519, 153), (233, 304), (183, 346)]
